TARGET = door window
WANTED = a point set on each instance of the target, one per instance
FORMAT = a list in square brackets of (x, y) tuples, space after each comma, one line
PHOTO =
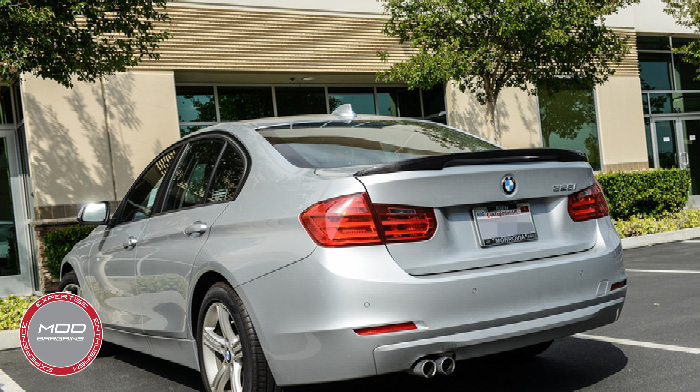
[(138, 204), (228, 176), (191, 179)]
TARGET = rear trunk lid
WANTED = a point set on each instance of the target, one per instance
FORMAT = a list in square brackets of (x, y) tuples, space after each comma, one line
[(456, 187)]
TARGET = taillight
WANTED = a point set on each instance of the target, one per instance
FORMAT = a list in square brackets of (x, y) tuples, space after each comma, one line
[(353, 220), (588, 204)]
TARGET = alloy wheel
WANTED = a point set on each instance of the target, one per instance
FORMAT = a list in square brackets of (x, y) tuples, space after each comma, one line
[(222, 350)]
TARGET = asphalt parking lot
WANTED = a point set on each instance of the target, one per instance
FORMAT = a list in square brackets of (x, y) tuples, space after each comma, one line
[(654, 346)]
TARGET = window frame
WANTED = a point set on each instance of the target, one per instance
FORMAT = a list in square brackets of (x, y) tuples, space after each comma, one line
[(229, 140)]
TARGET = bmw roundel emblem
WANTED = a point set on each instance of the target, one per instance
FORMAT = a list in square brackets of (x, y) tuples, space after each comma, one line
[(508, 184)]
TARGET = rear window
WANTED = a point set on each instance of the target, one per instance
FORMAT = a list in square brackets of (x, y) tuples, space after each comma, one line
[(332, 144)]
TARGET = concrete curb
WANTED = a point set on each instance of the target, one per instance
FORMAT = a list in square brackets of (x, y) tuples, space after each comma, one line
[(9, 339), (661, 238)]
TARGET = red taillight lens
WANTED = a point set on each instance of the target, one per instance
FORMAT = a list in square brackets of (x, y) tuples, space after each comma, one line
[(354, 220), (406, 224), (385, 329), (588, 204)]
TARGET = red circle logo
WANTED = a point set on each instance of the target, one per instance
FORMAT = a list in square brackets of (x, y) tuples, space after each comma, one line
[(60, 334)]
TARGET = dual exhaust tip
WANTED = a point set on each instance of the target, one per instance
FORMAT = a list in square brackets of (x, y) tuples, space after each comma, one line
[(427, 368)]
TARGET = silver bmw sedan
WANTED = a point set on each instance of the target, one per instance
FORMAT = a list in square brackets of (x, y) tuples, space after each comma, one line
[(301, 250)]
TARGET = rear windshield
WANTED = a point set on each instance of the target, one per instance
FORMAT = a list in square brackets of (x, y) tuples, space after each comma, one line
[(332, 144)]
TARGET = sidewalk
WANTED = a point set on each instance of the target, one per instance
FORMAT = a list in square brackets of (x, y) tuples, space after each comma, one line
[(661, 238)]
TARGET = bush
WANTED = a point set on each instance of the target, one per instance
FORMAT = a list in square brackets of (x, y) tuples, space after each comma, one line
[(59, 242), (645, 193), (12, 310), (640, 225)]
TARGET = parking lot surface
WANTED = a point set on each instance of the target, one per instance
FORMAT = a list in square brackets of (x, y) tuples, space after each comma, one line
[(654, 346)]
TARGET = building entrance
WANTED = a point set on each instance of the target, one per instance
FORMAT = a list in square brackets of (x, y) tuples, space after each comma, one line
[(676, 144), (15, 261)]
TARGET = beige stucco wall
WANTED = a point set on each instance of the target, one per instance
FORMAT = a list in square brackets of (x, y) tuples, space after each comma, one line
[(621, 124), (516, 114), (142, 120), (66, 144), (67, 134)]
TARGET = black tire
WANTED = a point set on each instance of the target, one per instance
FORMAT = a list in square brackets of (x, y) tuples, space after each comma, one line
[(256, 374), (70, 281)]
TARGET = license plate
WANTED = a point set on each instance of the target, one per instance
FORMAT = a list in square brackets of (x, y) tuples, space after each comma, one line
[(504, 224)]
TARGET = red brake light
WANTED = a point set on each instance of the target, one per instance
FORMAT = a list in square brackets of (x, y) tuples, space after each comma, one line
[(588, 204), (353, 220)]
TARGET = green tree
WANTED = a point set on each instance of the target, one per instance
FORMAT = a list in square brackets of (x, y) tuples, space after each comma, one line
[(488, 45), (63, 39)]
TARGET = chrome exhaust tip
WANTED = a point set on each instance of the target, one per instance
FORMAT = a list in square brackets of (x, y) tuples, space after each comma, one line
[(445, 365), (424, 368)]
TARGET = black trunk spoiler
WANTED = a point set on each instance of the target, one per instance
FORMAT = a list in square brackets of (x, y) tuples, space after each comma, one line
[(494, 157)]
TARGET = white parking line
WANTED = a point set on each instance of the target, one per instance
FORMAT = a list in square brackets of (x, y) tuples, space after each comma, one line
[(628, 342), (7, 384), (664, 271)]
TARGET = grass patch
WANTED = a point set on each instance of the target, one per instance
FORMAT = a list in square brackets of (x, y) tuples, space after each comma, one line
[(640, 225), (12, 310)]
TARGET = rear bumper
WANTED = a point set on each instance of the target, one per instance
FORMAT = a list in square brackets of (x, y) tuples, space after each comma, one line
[(480, 340), (305, 314)]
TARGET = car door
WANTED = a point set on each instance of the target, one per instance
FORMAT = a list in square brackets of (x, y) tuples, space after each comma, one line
[(111, 271), (173, 238)]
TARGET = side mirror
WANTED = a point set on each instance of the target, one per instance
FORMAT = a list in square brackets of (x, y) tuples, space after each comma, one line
[(94, 214)]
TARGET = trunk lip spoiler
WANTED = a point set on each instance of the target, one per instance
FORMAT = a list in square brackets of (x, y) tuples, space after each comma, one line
[(492, 157)]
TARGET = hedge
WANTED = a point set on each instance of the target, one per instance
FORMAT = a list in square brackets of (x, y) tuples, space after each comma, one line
[(59, 242), (649, 193), (12, 310), (639, 225)]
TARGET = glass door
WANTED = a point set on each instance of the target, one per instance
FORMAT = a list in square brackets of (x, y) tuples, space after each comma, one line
[(665, 143), (15, 265), (690, 151), (676, 144)]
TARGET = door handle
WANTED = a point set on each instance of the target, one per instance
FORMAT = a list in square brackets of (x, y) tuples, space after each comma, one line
[(130, 243), (197, 227)]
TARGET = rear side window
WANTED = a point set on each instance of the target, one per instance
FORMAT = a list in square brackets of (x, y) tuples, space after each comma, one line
[(191, 178), (228, 176), (333, 144)]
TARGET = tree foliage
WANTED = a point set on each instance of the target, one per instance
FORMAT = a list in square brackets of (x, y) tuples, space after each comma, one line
[(86, 39), (488, 45)]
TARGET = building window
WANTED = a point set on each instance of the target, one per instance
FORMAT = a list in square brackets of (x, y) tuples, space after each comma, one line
[(669, 84), (5, 105), (202, 106), (300, 100), (361, 98), (244, 103), (568, 120), (398, 102)]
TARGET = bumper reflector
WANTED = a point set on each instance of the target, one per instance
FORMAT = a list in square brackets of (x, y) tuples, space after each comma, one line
[(618, 285), (385, 329)]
